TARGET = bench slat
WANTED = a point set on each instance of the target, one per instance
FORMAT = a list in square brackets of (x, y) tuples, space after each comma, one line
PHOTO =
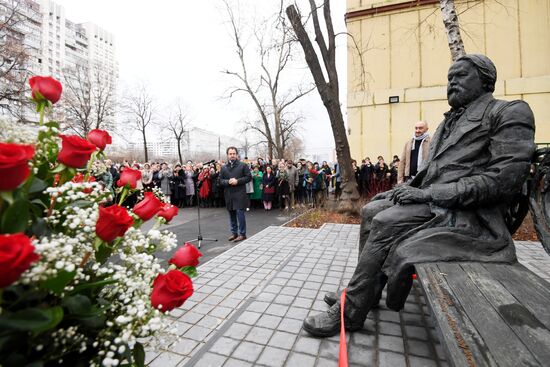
[(463, 345), (533, 291), (534, 335), (503, 343), (489, 314)]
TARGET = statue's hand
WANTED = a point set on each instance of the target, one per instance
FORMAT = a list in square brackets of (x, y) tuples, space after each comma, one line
[(407, 195), (382, 195)]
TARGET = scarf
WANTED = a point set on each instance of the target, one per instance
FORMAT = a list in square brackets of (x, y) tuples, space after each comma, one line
[(420, 158)]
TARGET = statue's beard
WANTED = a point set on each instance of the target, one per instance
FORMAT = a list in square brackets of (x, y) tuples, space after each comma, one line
[(459, 97)]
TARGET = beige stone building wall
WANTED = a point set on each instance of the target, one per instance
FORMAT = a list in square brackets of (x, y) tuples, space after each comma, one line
[(405, 54)]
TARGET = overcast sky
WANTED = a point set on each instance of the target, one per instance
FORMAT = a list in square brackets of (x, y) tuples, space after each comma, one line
[(180, 47)]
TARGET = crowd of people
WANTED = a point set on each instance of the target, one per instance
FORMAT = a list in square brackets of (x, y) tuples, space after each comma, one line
[(276, 184)]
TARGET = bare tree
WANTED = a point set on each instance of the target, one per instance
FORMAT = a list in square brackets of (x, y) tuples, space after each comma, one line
[(328, 90), (140, 110), (452, 27), (77, 100), (275, 50), (178, 125), (14, 58), (89, 99)]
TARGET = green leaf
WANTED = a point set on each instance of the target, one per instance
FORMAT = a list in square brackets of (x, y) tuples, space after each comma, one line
[(52, 124), (83, 286), (7, 196), (82, 203), (35, 320), (139, 355), (58, 283), (190, 270), (16, 217), (39, 228), (37, 185), (78, 305), (103, 253), (60, 168)]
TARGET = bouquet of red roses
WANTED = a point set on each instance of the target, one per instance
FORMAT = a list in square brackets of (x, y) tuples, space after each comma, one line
[(79, 282)]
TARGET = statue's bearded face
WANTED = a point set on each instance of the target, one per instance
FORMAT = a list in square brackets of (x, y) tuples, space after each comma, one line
[(464, 84)]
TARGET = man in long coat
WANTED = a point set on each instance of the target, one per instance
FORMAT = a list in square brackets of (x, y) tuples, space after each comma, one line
[(455, 208), (233, 178)]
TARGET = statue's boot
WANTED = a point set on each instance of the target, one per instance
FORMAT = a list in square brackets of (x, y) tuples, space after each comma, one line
[(332, 297), (328, 323)]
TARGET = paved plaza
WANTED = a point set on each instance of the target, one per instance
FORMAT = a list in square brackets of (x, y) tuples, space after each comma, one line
[(249, 304)]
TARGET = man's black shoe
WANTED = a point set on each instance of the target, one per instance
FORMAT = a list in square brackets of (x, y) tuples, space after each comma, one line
[(327, 323)]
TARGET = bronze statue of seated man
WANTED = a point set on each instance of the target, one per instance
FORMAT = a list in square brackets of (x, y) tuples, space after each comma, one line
[(454, 209)]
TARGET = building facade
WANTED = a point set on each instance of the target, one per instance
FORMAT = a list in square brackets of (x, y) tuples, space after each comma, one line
[(402, 74), (55, 45)]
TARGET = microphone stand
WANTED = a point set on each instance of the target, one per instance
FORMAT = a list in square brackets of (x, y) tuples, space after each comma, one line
[(200, 238)]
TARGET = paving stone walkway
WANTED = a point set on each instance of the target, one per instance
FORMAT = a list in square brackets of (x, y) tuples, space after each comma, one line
[(249, 304)]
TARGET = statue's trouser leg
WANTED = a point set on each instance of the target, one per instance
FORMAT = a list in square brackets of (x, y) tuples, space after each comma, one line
[(368, 212), (386, 227)]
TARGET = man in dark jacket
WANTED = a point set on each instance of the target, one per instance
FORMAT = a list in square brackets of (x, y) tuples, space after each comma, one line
[(455, 208), (233, 178)]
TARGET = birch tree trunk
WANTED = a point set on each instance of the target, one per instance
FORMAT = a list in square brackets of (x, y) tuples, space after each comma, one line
[(452, 27)]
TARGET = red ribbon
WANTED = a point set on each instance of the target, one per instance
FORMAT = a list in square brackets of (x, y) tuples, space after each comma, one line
[(343, 356)]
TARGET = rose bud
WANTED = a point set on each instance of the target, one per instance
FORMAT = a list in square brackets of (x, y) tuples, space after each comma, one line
[(75, 151), (79, 178), (129, 177), (47, 87), (170, 290), (168, 212), (100, 138), (187, 255), (16, 256), (147, 207), (113, 222), (14, 164)]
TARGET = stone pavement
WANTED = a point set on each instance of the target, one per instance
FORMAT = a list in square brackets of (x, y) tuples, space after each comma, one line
[(250, 302)]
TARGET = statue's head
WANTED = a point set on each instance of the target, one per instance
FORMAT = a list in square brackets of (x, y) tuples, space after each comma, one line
[(470, 77)]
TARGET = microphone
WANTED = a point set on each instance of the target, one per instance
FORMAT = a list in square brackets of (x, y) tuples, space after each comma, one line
[(209, 162)]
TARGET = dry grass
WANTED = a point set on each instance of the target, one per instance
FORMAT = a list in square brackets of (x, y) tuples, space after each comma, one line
[(315, 218)]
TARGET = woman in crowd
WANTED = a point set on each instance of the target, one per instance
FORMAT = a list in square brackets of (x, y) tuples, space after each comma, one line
[(147, 177), (256, 196), (205, 187), (381, 176), (310, 175), (300, 189), (268, 187), (165, 175), (283, 187), (319, 186), (178, 186), (189, 184)]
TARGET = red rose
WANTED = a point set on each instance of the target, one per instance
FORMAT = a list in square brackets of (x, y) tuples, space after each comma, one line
[(75, 151), (129, 177), (16, 255), (170, 290), (168, 212), (113, 222), (48, 87), (14, 166), (100, 138), (187, 255), (148, 207)]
